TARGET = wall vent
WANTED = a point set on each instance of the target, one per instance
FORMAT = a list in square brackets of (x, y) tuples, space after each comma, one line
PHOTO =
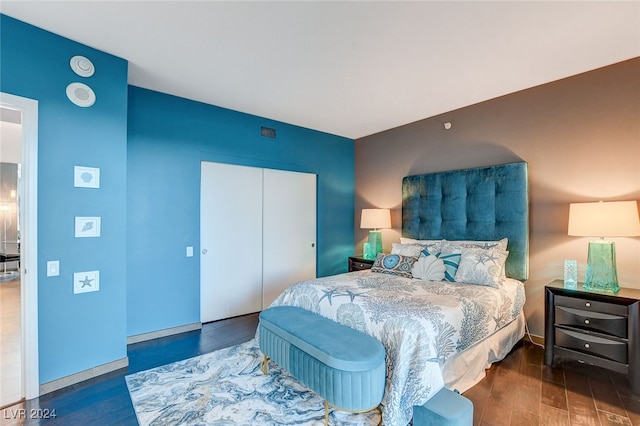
[(268, 132)]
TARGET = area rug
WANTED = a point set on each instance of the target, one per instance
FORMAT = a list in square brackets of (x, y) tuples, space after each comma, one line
[(227, 387)]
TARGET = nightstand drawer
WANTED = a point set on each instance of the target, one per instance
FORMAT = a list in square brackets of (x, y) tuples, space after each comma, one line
[(593, 321), (593, 345), (591, 305), (359, 264)]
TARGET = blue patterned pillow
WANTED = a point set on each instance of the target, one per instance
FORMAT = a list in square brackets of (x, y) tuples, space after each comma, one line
[(394, 264), (451, 263)]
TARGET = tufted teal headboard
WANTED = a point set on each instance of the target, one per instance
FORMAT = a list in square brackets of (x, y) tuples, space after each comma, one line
[(485, 203)]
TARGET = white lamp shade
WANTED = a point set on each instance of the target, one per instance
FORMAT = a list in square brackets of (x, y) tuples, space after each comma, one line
[(375, 219), (604, 219)]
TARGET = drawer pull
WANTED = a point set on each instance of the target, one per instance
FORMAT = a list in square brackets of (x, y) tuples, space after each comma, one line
[(586, 321), (588, 305), (586, 345)]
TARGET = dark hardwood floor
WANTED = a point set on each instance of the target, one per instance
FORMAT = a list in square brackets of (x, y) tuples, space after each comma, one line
[(520, 390), (104, 400)]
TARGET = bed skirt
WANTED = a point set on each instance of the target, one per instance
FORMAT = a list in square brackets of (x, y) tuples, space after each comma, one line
[(465, 369)]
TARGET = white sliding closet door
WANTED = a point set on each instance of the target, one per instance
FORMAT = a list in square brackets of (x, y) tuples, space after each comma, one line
[(289, 231), (230, 241)]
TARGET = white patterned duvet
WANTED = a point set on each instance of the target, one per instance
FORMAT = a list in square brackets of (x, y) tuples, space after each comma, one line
[(420, 323)]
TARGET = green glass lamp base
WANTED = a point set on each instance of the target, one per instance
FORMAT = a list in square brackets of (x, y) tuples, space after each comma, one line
[(366, 251), (375, 244), (601, 268)]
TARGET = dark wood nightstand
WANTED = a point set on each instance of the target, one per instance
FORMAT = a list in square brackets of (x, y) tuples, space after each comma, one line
[(359, 264), (594, 328)]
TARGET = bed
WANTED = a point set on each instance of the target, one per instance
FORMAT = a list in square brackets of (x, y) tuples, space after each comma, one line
[(439, 333)]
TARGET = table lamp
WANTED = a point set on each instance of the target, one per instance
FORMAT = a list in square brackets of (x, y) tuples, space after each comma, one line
[(374, 219), (603, 219)]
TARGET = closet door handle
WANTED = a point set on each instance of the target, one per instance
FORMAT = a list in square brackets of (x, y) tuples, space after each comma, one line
[(204, 251)]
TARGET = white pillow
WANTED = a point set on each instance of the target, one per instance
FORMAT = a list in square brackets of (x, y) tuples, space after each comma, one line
[(428, 268), (412, 250), (431, 245), (482, 267), (450, 245)]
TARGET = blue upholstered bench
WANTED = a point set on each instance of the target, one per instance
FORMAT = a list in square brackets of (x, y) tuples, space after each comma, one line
[(445, 408), (342, 365)]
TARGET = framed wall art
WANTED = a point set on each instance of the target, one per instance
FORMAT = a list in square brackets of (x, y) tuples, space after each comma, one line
[(85, 282), (86, 177), (87, 227)]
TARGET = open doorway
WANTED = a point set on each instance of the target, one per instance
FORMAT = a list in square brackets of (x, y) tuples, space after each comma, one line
[(10, 285), (18, 249)]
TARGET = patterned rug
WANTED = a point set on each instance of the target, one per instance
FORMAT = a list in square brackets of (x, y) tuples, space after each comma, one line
[(227, 387)]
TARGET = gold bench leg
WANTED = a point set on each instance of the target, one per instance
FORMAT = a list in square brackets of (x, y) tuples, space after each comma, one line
[(326, 412), (265, 365)]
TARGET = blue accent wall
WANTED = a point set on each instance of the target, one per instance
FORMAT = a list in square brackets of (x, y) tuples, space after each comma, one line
[(76, 332), (148, 147), (168, 137)]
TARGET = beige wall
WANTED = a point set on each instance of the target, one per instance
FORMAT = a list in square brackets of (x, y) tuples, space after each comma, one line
[(580, 137)]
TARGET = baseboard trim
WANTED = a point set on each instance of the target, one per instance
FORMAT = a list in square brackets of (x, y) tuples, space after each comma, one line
[(83, 375), (538, 340), (163, 333)]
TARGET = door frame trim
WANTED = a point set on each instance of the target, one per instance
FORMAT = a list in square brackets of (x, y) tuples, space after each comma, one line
[(29, 237)]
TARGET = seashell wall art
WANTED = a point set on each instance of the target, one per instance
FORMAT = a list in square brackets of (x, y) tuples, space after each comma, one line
[(86, 177)]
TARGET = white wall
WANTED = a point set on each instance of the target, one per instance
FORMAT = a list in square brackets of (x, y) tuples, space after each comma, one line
[(10, 137)]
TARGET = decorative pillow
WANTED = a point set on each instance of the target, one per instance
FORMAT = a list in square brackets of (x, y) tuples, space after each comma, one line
[(412, 250), (482, 267), (428, 268), (485, 245), (451, 262), (394, 264)]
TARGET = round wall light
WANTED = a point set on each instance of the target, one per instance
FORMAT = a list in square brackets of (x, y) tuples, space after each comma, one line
[(81, 95), (82, 66)]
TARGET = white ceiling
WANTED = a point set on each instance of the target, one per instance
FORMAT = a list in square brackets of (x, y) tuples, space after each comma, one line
[(350, 68)]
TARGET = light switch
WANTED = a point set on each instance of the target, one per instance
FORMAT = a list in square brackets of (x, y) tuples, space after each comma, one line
[(53, 268), (189, 251)]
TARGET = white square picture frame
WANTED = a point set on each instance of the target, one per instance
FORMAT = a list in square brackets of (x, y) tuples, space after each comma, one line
[(86, 177), (87, 227), (86, 282)]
